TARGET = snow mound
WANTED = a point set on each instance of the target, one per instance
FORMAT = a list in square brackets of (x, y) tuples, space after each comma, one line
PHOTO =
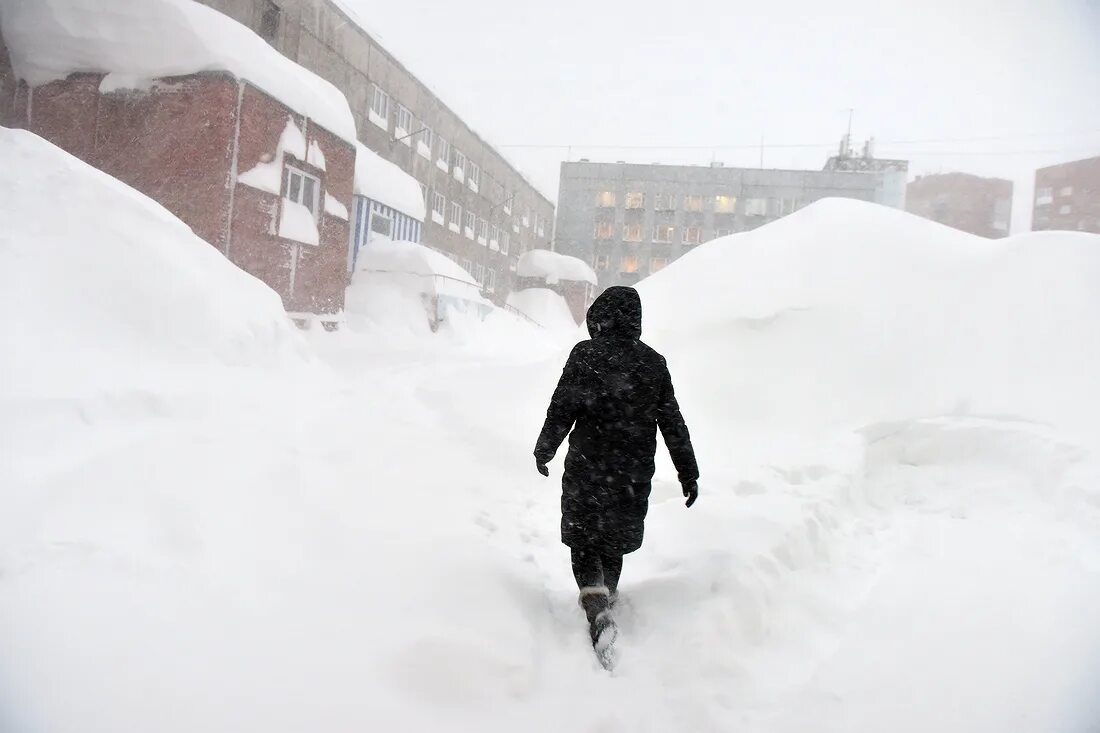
[(380, 180), (553, 267), (544, 307), (137, 42), (437, 273), (109, 289)]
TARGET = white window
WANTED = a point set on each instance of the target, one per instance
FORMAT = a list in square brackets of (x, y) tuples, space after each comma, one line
[(527, 218), (468, 224), (490, 280), (456, 217), (1044, 196), (439, 207), (302, 188), (663, 233), (756, 207), (1066, 191), (482, 231), (442, 154), (424, 140), (632, 233), (403, 125), (380, 108), (494, 236), (504, 237), (479, 273), (515, 226), (458, 164), (474, 178), (693, 235)]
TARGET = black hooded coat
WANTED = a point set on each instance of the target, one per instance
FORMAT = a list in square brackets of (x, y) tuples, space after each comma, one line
[(615, 392)]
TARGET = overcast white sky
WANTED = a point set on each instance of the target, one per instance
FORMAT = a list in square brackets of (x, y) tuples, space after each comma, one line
[(1009, 85)]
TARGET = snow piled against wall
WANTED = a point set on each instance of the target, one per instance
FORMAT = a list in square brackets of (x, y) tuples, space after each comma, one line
[(544, 307), (436, 273), (554, 267), (109, 290), (384, 182), (137, 42)]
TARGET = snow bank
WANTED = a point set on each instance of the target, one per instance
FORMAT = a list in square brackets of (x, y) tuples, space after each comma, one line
[(297, 223), (544, 307), (109, 290), (137, 42), (554, 267), (384, 182)]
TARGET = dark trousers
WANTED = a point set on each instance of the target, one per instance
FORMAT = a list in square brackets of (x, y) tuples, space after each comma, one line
[(591, 569)]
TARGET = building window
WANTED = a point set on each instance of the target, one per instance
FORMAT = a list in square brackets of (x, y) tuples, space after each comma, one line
[(1044, 196), (490, 280), (605, 230), (474, 179), (403, 125), (507, 202), (479, 273), (725, 204), (540, 225), (527, 218), (468, 266), (693, 203), (302, 188), (269, 21), (482, 231), (665, 202), (787, 206), (723, 232), (424, 139), (380, 108), (458, 164), (456, 217), (693, 235), (635, 200), (381, 224), (756, 207), (1066, 191), (602, 262), (1065, 209), (657, 264), (630, 264), (632, 233), (442, 154), (504, 242), (439, 206), (468, 224), (663, 233), (606, 199)]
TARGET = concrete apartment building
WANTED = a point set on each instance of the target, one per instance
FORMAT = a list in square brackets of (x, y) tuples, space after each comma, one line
[(482, 212), (1067, 196), (981, 206), (630, 220)]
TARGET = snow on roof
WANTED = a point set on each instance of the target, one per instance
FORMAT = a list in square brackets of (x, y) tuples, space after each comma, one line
[(380, 180), (136, 42), (440, 275), (554, 267)]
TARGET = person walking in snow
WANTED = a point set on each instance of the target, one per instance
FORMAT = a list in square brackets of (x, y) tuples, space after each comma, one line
[(614, 393)]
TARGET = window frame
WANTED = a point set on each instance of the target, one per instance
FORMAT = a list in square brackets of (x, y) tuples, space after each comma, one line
[(690, 200), (634, 200), (438, 215), (628, 236), (293, 170), (685, 238), (729, 200), (443, 154), (469, 224), (458, 164), (399, 130), (606, 199), (671, 233), (381, 119), (454, 222), (473, 176)]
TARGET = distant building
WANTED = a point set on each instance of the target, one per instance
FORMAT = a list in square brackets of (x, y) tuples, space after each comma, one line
[(981, 206), (630, 220), (891, 175), (569, 277), (1067, 196)]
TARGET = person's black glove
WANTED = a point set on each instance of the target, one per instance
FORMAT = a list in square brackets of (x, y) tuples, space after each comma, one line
[(691, 491), (542, 467)]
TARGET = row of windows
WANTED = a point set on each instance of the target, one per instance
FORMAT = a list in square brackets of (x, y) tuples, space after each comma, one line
[(486, 277), (721, 204), (470, 224), (629, 263), (1045, 195), (448, 158), (662, 233)]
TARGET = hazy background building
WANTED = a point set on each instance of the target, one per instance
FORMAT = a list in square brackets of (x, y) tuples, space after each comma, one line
[(630, 220), (482, 212), (891, 174), (1067, 196), (981, 206)]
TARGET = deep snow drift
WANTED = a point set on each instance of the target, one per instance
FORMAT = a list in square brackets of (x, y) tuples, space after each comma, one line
[(897, 528)]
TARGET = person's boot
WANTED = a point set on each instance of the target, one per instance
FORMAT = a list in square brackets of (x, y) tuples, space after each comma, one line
[(595, 600)]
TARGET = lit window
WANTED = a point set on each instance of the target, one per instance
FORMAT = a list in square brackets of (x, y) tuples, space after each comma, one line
[(635, 200), (693, 235), (693, 203), (725, 204), (380, 108), (632, 233), (302, 188), (663, 233), (657, 264), (456, 217), (605, 199), (468, 224), (630, 264), (439, 206), (442, 154), (605, 230), (756, 207), (602, 262), (403, 125), (665, 202)]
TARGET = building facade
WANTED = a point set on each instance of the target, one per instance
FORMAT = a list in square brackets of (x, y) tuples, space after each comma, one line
[(481, 211), (630, 220), (1067, 196), (891, 175), (981, 206)]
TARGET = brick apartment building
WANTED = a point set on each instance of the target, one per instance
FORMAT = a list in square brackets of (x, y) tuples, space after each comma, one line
[(981, 206), (1067, 196), (630, 220), (482, 212)]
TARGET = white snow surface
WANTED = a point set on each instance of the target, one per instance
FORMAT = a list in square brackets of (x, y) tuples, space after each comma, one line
[(315, 156), (268, 175), (151, 39), (380, 180), (544, 307), (334, 207), (296, 222), (892, 534), (554, 267)]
